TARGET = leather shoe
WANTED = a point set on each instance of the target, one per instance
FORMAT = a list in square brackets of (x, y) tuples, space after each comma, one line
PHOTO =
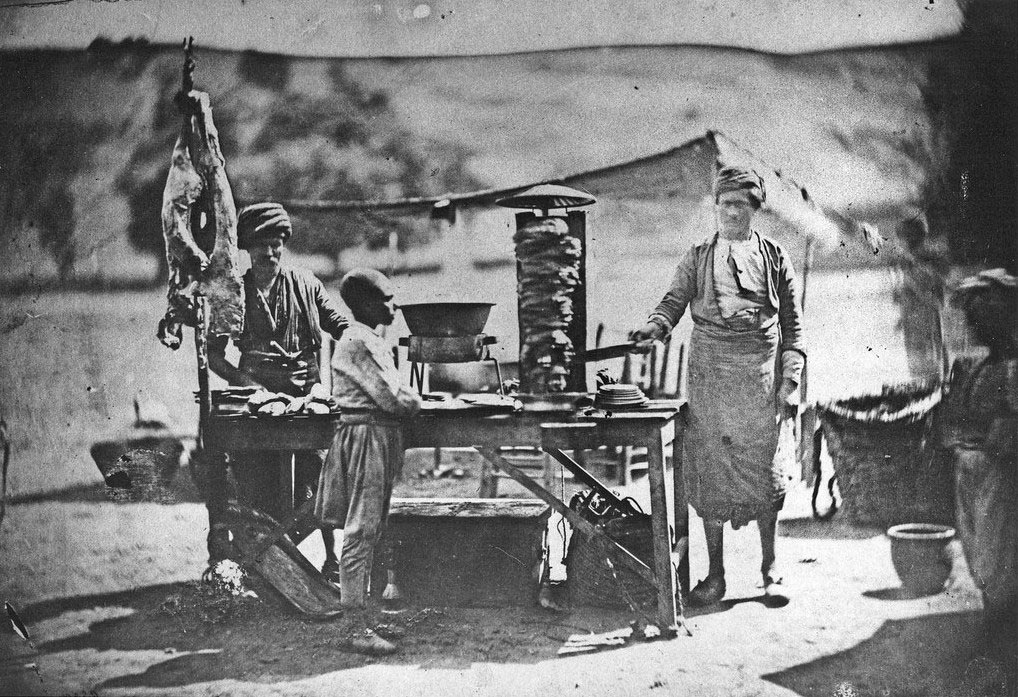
[(708, 591), (371, 644)]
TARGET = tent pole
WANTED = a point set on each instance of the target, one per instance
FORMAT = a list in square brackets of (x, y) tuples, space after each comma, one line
[(807, 416)]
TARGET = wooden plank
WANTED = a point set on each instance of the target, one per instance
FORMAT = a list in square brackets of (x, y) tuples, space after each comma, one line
[(650, 387), (680, 553), (487, 487), (254, 554), (250, 432), (663, 570), (282, 565), (587, 478), (608, 431), (666, 389), (578, 522), (468, 508), (285, 492)]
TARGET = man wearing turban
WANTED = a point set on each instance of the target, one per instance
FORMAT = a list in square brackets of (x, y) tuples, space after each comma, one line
[(285, 312), (747, 353)]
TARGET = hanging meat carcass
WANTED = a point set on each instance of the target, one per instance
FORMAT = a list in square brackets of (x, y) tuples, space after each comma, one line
[(200, 229)]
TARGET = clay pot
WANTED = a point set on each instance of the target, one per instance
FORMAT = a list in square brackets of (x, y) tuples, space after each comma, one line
[(920, 556)]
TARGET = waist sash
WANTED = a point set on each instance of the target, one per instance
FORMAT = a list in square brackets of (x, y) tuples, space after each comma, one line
[(375, 418)]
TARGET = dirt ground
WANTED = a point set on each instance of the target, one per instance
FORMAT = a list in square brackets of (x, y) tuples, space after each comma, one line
[(108, 593)]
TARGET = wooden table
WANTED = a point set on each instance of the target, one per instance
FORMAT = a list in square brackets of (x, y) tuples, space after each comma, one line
[(554, 431)]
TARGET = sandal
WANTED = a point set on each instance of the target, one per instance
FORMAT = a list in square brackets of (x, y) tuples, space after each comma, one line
[(708, 591)]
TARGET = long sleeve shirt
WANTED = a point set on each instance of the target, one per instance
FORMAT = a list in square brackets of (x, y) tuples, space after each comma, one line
[(282, 334), (740, 278), (364, 374), (292, 323), (693, 286)]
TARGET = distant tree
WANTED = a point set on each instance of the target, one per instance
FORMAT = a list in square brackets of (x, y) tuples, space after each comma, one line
[(128, 56), (346, 145), (281, 144), (144, 229), (266, 70), (144, 179), (40, 162)]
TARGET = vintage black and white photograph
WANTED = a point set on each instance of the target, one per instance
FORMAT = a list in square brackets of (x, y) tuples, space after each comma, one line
[(474, 347)]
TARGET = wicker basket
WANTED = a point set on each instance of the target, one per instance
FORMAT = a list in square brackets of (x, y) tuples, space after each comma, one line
[(888, 466), (591, 581)]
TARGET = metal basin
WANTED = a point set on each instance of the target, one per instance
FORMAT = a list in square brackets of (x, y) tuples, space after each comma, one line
[(446, 319)]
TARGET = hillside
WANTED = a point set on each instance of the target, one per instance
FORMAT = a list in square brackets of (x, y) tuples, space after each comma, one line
[(87, 138), (87, 134)]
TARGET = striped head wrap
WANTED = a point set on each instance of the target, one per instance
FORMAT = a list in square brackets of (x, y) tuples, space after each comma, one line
[(260, 220), (732, 178)]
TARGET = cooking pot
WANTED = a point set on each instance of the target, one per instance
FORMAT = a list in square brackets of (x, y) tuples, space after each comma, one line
[(446, 319)]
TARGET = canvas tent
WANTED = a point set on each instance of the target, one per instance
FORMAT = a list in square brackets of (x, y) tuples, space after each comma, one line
[(682, 175)]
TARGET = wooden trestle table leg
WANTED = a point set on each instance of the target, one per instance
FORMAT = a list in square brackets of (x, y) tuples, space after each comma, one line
[(666, 592), (579, 523), (665, 572), (286, 504), (680, 551)]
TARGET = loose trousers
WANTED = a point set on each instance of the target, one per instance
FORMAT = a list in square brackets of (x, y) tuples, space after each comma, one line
[(354, 492)]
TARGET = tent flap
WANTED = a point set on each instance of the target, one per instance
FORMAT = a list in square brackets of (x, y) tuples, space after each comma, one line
[(684, 172)]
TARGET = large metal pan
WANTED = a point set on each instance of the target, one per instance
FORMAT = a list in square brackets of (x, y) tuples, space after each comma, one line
[(446, 319)]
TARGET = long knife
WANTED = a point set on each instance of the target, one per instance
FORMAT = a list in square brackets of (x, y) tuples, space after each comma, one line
[(606, 352)]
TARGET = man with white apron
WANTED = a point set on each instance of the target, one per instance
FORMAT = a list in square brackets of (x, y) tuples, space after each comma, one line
[(747, 353)]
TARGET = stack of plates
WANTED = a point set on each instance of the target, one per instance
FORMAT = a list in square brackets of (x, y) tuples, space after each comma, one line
[(619, 397)]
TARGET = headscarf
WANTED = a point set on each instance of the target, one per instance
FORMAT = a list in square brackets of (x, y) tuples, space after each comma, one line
[(262, 220), (989, 298), (732, 178), (996, 283)]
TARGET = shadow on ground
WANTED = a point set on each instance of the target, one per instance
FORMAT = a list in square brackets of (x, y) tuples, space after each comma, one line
[(835, 529), (908, 658), (897, 593), (691, 611), (261, 640), (181, 489)]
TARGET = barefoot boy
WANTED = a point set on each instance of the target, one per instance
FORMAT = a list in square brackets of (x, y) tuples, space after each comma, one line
[(367, 451)]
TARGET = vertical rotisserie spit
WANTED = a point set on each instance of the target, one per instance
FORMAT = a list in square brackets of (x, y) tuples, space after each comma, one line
[(548, 271)]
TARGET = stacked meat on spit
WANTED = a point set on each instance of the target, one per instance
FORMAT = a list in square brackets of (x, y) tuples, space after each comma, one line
[(547, 274)]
